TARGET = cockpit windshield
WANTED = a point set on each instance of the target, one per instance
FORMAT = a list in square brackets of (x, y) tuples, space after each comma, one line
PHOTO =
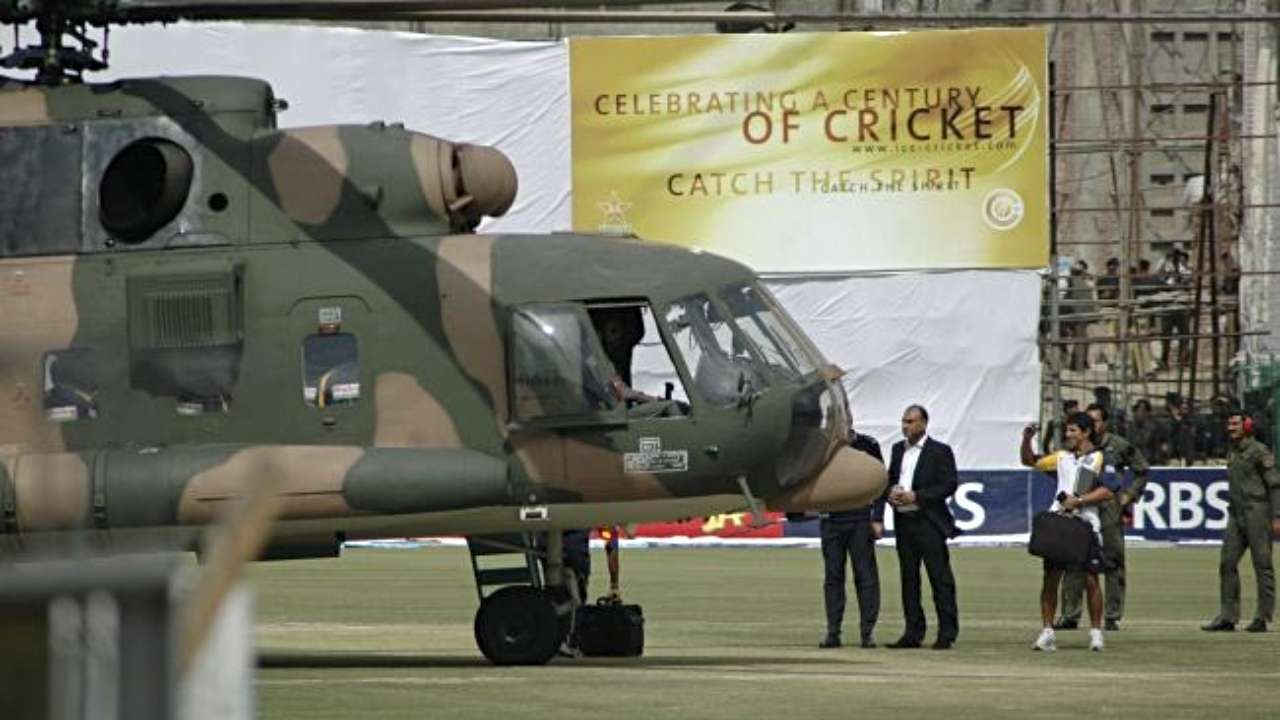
[(559, 368), (724, 367), (764, 321)]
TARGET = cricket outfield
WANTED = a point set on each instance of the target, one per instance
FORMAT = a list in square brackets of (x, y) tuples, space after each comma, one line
[(733, 633)]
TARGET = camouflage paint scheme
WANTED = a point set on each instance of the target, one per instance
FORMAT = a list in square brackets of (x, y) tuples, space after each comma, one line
[(374, 221)]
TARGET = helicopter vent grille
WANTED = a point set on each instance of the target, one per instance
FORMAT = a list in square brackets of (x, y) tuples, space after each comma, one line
[(183, 320), (185, 312)]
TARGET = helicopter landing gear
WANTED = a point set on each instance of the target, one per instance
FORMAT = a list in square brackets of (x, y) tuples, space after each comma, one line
[(525, 621), (519, 625)]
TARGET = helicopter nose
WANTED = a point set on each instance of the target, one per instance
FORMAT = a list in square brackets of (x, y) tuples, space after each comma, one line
[(851, 479)]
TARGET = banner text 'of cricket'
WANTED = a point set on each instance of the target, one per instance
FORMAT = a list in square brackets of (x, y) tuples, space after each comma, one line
[(818, 152)]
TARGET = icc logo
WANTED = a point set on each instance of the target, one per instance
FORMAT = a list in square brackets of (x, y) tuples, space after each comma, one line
[(1002, 209)]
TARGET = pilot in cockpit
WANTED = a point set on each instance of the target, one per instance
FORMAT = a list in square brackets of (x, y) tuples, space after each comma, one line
[(620, 329)]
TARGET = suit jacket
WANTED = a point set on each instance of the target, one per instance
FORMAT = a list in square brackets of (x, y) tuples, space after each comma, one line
[(935, 481)]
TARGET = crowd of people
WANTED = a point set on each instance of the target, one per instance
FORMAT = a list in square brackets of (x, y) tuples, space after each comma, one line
[(1176, 432), (1165, 305), (1090, 467)]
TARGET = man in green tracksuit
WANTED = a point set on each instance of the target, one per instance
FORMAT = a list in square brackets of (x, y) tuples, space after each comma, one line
[(1253, 516), (1118, 454)]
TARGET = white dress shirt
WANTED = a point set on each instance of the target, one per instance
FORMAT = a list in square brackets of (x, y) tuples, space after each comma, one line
[(907, 474)]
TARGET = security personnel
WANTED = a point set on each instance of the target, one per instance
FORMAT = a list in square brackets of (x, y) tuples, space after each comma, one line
[(1253, 515), (852, 533), (1118, 454)]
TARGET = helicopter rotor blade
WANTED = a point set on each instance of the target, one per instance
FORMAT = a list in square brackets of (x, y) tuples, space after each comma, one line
[(142, 11)]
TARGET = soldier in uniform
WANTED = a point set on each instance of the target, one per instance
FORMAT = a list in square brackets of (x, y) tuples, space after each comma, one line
[(852, 533), (1118, 455), (1253, 515)]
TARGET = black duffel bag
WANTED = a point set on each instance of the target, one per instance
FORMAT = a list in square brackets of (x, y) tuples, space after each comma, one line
[(1060, 539), (610, 629)]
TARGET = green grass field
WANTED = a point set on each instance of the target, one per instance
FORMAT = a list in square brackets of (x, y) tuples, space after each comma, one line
[(732, 633)]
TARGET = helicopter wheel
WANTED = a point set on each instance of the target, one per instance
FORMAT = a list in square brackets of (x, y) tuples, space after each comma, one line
[(518, 625)]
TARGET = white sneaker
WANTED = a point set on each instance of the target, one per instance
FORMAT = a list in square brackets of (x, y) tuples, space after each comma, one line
[(1047, 642), (1095, 640)]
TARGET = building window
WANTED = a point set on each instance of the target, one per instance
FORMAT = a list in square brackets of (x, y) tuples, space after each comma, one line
[(330, 370)]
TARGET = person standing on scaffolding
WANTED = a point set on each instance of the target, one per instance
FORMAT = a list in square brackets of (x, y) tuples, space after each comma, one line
[(1175, 274)]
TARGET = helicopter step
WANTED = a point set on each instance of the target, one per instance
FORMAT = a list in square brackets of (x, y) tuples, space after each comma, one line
[(528, 572), (524, 620)]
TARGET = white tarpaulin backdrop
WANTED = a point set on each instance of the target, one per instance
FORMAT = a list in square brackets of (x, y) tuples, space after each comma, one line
[(961, 343)]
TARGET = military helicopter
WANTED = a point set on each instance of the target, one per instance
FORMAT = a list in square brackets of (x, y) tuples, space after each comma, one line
[(195, 299)]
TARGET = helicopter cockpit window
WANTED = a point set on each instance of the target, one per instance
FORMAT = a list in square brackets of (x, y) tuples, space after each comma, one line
[(70, 385), (630, 337), (558, 367), (762, 319), (330, 370), (723, 365)]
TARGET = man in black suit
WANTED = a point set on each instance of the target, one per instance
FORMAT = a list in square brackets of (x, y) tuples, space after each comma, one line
[(852, 534), (922, 475)]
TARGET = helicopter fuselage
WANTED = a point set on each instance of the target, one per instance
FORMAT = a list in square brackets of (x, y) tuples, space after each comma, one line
[(196, 301)]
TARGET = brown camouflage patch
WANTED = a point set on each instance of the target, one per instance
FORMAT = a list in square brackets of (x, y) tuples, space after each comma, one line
[(433, 163), (465, 277), (53, 491), (409, 416), (308, 168), (310, 477), (595, 473), (852, 479), (24, 107), (526, 401), (541, 454), (39, 311)]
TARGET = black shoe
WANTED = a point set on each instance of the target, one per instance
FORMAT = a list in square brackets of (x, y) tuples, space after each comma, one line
[(867, 642), (903, 643), (1065, 624), (1111, 626), (942, 644), (1257, 626), (1218, 626), (830, 641)]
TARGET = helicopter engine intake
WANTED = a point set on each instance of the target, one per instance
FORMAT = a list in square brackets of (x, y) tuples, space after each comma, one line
[(144, 187), (367, 181)]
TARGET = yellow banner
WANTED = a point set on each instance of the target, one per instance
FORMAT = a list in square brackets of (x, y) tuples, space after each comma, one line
[(818, 152)]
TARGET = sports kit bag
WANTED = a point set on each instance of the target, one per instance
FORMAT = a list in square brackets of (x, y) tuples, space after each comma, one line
[(610, 629), (1059, 538)]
